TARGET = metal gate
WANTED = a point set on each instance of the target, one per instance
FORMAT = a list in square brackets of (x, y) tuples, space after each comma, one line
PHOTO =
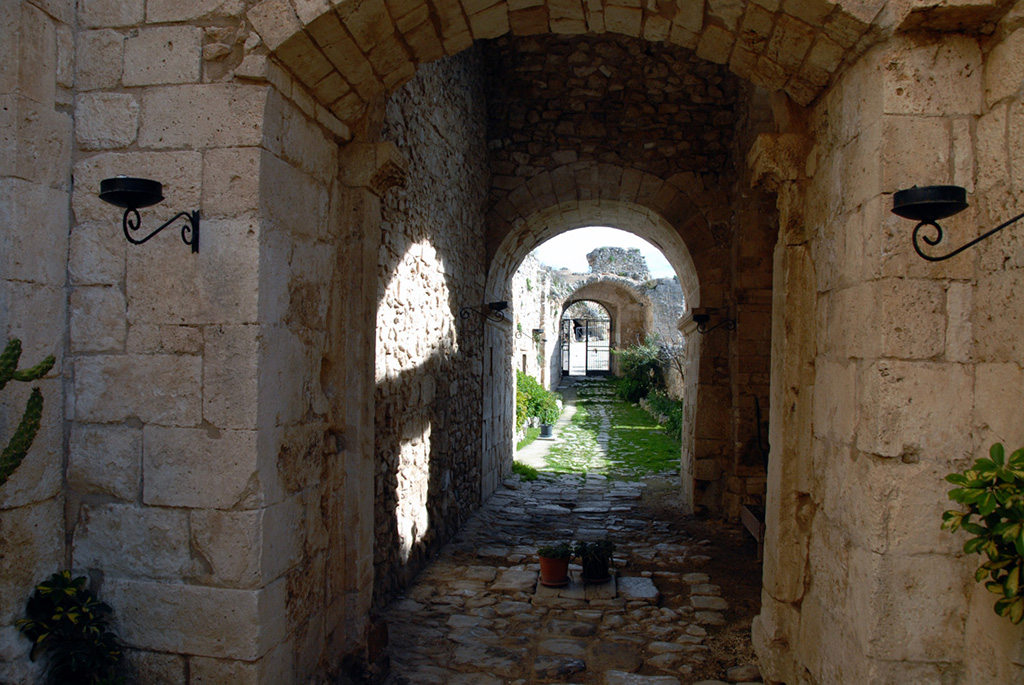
[(586, 346)]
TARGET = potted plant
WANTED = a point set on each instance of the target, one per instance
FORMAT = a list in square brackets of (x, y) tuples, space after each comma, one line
[(547, 415), (594, 556), (554, 564)]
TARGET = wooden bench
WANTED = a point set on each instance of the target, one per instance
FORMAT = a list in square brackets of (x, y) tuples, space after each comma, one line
[(753, 520)]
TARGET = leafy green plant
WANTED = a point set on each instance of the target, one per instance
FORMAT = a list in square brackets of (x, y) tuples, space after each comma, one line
[(561, 550), (641, 368), (533, 400), (594, 558), (525, 471), (69, 625), (662, 405), (992, 491), (20, 442)]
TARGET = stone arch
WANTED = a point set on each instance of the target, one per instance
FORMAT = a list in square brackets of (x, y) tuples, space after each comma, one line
[(627, 303), (609, 198), (578, 195), (350, 54)]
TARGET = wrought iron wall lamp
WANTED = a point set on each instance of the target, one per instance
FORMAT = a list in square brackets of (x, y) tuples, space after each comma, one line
[(134, 194), (702, 317), (495, 311), (927, 205)]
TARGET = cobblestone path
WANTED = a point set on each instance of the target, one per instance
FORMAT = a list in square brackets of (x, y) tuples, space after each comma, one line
[(477, 616)]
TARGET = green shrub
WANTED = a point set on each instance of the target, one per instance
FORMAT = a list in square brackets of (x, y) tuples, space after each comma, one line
[(68, 624), (641, 368), (663, 405), (533, 400), (993, 492)]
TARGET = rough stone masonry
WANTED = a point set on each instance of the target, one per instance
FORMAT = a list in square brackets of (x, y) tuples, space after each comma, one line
[(220, 448)]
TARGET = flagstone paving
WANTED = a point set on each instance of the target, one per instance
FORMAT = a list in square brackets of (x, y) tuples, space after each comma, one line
[(477, 615)]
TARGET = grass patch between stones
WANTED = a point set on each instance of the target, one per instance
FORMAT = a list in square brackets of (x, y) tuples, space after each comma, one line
[(612, 437)]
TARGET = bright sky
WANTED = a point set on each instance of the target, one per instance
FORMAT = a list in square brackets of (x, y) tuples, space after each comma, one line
[(569, 250)]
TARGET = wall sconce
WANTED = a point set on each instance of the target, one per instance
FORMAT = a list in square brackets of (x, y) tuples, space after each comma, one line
[(702, 316), (495, 311), (134, 194), (927, 205)]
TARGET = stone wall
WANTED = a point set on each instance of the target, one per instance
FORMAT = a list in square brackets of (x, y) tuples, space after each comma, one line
[(907, 376), (535, 307), (36, 139), (429, 360)]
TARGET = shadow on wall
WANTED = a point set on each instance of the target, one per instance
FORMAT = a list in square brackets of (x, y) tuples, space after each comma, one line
[(428, 470)]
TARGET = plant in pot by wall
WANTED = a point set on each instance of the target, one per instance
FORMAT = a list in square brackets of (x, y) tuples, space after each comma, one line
[(554, 564), (548, 415), (68, 625), (595, 556), (993, 493)]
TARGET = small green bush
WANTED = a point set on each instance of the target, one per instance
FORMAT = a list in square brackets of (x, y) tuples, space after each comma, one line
[(533, 400), (663, 405), (68, 624), (993, 493), (641, 367)]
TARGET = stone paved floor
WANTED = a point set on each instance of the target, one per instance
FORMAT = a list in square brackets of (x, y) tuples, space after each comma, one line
[(476, 615)]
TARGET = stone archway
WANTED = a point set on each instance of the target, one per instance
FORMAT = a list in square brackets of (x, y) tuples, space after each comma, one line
[(351, 54), (615, 203)]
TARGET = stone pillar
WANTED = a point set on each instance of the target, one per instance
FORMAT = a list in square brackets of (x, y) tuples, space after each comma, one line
[(36, 74), (777, 164), (367, 172), (688, 454), (499, 406)]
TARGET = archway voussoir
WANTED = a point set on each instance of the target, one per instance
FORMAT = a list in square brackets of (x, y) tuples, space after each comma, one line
[(769, 75), (846, 29), (528, 21), (275, 21), (563, 180), (630, 184), (423, 40), (657, 28), (650, 185), (625, 20), (300, 54), (715, 44), (802, 92), (490, 23)]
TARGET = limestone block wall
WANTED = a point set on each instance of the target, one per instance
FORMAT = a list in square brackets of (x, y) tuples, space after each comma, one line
[(209, 439), (36, 138), (909, 373), (534, 308), (430, 362)]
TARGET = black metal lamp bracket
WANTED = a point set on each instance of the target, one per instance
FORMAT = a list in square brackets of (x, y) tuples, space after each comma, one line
[(133, 194), (727, 324), (927, 205), (493, 316), (937, 238), (189, 229)]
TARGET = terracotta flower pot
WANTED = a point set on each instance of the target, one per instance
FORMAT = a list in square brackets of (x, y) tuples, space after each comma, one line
[(554, 572)]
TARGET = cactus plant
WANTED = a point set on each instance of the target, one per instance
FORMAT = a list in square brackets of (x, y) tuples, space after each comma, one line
[(17, 447)]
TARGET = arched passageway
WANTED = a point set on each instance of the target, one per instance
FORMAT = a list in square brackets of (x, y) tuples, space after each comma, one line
[(234, 395)]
